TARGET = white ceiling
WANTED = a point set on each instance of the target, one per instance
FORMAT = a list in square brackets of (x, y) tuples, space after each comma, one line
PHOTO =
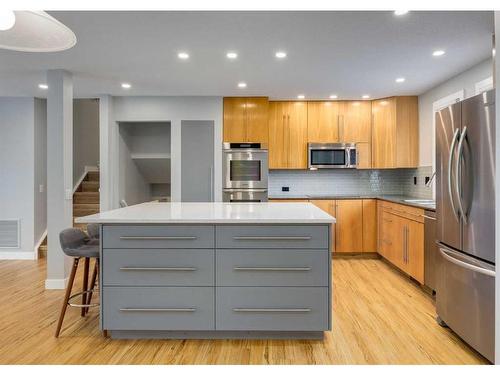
[(344, 53)]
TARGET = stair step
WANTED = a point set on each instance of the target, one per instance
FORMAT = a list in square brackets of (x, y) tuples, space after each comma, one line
[(84, 212), (81, 226), (93, 176), (86, 197), (90, 186), (85, 206), (42, 251)]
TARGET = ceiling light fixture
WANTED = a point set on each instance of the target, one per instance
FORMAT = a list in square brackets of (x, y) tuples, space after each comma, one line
[(301, 96), (242, 85), (183, 55), (7, 20), (366, 96), (400, 12), (126, 85), (333, 96), (231, 55), (438, 52), (280, 54), (400, 79), (43, 86)]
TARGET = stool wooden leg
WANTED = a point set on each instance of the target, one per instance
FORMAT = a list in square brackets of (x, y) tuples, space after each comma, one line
[(92, 284), (85, 283), (67, 295)]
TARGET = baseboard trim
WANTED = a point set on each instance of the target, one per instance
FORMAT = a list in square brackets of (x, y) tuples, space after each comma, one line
[(87, 169), (17, 255), (56, 283)]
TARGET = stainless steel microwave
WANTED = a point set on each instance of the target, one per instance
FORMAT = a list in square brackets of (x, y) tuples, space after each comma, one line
[(332, 155)]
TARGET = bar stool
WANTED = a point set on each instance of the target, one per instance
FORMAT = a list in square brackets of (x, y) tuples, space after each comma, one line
[(75, 243)]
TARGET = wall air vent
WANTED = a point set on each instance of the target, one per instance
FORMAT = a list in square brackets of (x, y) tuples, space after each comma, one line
[(10, 234)]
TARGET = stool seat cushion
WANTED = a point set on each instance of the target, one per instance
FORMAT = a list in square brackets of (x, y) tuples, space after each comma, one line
[(87, 251)]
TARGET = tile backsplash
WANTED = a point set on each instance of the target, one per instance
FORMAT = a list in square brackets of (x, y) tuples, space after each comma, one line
[(350, 182)]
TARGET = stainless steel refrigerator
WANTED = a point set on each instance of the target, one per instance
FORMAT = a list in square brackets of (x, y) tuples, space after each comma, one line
[(465, 208)]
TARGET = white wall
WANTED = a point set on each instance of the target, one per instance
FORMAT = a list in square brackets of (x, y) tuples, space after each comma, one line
[(465, 81), (85, 135), (17, 166), (40, 165), (153, 108)]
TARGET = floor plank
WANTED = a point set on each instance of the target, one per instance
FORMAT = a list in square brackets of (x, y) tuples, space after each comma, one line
[(379, 317)]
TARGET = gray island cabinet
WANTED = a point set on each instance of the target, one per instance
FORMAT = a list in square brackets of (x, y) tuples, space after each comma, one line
[(223, 271)]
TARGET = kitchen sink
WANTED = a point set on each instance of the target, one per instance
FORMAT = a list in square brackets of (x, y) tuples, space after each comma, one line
[(426, 202)]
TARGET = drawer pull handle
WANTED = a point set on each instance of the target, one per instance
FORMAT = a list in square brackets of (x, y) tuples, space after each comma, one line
[(158, 268), (272, 268), (279, 238), (158, 238), (300, 310), (429, 217), (172, 309)]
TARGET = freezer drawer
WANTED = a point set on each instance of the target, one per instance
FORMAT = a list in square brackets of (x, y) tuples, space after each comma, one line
[(465, 299)]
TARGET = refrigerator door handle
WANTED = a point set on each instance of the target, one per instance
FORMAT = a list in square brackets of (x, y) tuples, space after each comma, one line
[(450, 163), (449, 255), (460, 149)]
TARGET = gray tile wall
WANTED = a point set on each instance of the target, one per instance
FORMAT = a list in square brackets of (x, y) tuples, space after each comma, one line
[(350, 182)]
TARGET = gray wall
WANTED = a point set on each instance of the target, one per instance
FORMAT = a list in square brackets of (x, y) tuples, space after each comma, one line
[(85, 135), (40, 165), (17, 166), (465, 81), (497, 195)]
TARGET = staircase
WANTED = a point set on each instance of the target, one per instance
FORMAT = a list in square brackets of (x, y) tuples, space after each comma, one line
[(85, 202)]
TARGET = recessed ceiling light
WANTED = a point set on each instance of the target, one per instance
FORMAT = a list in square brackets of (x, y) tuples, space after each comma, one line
[(231, 55), (400, 12), (183, 55), (126, 85), (301, 96), (43, 86), (242, 85), (366, 96), (280, 54), (400, 79), (438, 52), (7, 19), (333, 96)]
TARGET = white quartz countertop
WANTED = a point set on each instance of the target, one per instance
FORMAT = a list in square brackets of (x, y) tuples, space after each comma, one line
[(216, 212)]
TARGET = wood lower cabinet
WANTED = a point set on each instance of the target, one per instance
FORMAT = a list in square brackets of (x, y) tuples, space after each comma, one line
[(401, 238), (349, 226), (328, 206), (246, 119), (287, 135), (369, 226)]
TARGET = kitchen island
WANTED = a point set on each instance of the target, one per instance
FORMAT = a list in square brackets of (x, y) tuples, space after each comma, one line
[(215, 270)]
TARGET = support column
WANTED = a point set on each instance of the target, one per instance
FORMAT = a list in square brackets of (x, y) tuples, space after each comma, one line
[(108, 186), (59, 173)]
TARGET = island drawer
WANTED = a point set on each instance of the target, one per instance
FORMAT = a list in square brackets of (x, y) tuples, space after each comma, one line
[(272, 267), (272, 236), (272, 309), (158, 236), (158, 308), (158, 267)]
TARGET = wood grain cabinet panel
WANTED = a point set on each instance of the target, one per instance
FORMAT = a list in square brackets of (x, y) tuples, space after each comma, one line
[(415, 250), (364, 155), (369, 226), (288, 135), (395, 132), (329, 207), (349, 226), (323, 122), (246, 119), (356, 121)]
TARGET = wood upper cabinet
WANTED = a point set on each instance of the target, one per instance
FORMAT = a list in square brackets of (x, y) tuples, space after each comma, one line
[(349, 226), (356, 122), (369, 226), (395, 132), (323, 122), (246, 119), (288, 135), (328, 206)]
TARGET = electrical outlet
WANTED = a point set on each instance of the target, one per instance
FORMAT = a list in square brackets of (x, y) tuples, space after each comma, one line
[(414, 180), (285, 188), (427, 178)]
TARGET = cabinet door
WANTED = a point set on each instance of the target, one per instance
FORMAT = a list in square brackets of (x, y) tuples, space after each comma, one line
[(257, 110), (234, 119), (356, 122), (387, 232), (415, 250), (296, 139), (384, 133), (278, 157), (369, 225), (364, 155), (323, 122), (329, 207), (407, 132), (349, 227)]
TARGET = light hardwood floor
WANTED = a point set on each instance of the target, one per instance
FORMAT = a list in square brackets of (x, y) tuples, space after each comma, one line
[(379, 317)]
